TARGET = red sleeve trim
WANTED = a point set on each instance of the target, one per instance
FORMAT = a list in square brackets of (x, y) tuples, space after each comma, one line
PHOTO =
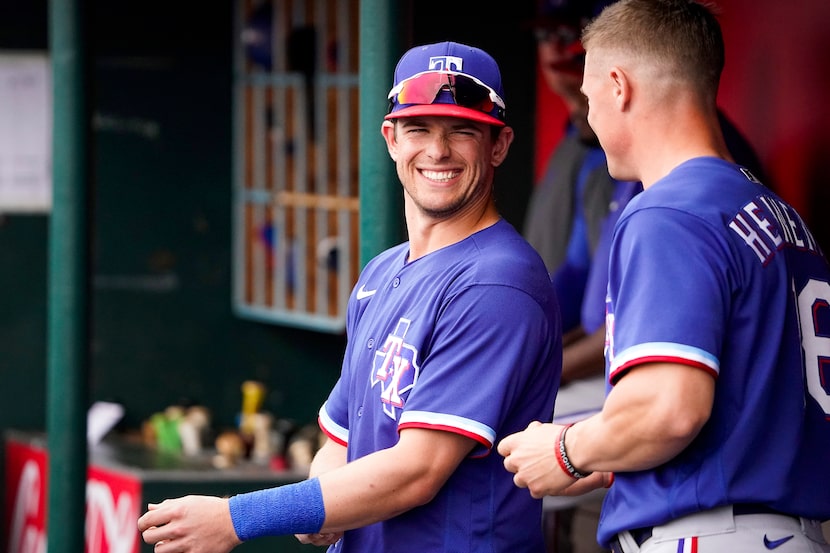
[(455, 430), (622, 369), (330, 435)]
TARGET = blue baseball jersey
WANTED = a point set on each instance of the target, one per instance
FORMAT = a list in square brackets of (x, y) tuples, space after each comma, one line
[(467, 340), (712, 270)]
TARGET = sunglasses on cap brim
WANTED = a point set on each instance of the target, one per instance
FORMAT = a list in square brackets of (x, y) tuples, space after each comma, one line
[(466, 91)]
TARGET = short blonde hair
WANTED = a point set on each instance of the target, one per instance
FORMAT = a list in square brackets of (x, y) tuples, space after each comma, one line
[(681, 35)]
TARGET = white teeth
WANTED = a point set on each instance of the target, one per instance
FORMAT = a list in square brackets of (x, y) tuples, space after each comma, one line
[(439, 175)]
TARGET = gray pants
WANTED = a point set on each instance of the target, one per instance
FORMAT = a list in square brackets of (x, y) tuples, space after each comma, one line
[(719, 530)]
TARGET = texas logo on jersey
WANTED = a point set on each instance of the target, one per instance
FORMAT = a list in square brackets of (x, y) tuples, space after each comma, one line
[(395, 368)]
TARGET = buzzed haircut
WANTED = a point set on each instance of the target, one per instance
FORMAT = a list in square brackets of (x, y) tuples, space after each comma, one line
[(683, 35)]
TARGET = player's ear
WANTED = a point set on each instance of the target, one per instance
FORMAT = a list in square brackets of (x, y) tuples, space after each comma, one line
[(502, 145), (621, 87), (388, 130)]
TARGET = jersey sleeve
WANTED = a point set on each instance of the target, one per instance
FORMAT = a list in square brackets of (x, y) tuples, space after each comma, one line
[(669, 292), (328, 418), (490, 346)]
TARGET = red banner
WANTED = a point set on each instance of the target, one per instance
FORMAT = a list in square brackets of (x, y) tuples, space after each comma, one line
[(112, 504), (25, 498)]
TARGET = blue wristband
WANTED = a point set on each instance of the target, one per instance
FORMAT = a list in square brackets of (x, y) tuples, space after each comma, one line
[(284, 510)]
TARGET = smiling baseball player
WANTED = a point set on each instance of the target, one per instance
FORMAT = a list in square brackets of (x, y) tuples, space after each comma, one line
[(453, 343)]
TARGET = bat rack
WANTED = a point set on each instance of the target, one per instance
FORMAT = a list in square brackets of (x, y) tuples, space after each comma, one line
[(296, 207)]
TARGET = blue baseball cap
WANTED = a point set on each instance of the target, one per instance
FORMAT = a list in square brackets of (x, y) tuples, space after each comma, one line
[(448, 79)]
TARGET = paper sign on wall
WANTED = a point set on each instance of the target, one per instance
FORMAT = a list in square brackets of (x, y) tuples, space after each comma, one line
[(25, 133)]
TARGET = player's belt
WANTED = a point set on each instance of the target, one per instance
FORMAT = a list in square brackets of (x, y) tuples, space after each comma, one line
[(640, 535)]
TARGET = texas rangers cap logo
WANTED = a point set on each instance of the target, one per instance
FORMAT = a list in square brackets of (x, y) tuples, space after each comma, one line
[(446, 63), (395, 368)]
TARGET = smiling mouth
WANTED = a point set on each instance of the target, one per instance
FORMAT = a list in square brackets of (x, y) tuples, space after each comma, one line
[(440, 176)]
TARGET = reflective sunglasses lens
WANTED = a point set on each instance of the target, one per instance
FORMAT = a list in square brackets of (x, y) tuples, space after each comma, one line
[(422, 89), (466, 92)]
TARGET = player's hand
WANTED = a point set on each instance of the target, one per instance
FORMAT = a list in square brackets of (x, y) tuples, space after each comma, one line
[(191, 524), (531, 456), (319, 539)]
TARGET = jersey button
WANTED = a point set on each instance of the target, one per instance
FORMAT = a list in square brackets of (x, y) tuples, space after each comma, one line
[(370, 343), (396, 282)]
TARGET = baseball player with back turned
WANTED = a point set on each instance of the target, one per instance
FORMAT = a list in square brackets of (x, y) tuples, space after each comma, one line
[(453, 343), (716, 432)]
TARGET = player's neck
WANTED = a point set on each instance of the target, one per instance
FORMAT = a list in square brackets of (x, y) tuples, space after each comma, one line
[(428, 234), (688, 138)]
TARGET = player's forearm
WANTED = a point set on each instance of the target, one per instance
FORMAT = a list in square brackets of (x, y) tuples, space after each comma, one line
[(391, 481), (364, 492), (603, 443), (649, 417), (373, 488)]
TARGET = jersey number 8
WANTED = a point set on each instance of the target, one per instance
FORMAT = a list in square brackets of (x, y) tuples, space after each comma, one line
[(815, 341)]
